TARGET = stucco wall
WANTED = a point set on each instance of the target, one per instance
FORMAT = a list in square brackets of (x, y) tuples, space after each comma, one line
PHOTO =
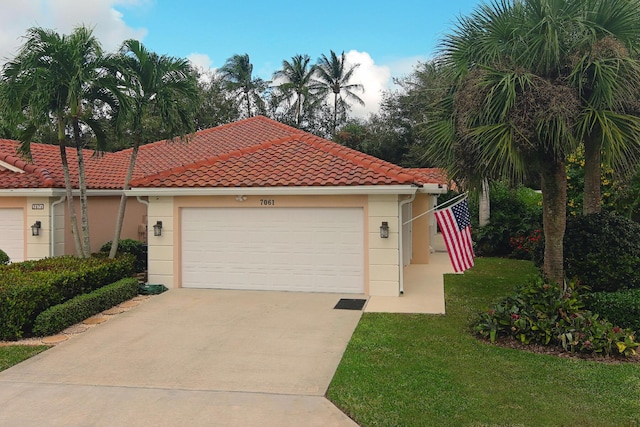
[(383, 253), (162, 248), (103, 211), (38, 209)]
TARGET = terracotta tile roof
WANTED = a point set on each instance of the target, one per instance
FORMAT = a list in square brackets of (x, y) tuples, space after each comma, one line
[(257, 152), (44, 170)]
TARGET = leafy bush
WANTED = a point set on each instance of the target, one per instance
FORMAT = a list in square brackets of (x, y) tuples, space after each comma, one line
[(28, 288), (603, 251), (514, 212), (548, 314), (133, 247), (4, 258), (61, 316), (621, 308)]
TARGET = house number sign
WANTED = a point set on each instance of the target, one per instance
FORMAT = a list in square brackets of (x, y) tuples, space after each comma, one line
[(37, 206), (267, 202)]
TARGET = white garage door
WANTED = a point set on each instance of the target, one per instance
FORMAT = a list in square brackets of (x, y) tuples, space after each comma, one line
[(12, 233), (285, 249)]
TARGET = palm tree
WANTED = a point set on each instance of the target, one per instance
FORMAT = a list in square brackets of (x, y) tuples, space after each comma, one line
[(238, 72), (333, 76), (607, 75), (152, 87), (56, 77), (533, 79), (296, 79)]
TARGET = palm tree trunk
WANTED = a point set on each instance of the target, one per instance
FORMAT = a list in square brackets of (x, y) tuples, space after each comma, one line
[(123, 202), (484, 211), (554, 217), (68, 188), (298, 110), (592, 173), (335, 114), (248, 99), (82, 184)]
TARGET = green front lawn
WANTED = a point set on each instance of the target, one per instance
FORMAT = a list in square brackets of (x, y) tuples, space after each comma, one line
[(427, 370), (13, 354)]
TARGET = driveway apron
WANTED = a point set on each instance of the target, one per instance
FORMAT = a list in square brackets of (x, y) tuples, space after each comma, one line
[(191, 357)]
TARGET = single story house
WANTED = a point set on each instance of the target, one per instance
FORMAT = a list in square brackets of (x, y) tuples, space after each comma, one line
[(253, 204)]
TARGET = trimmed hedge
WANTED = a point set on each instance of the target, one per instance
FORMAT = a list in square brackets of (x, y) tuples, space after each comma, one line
[(129, 246), (28, 288), (4, 258), (603, 251), (61, 316), (621, 308)]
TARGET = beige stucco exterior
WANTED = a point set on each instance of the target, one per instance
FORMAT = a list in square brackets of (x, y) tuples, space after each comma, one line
[(103, 211), (55, 236), (381, 261)]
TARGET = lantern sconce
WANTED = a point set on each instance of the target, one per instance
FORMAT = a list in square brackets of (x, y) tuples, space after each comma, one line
[(157, 228), (384, 230), (35, 228)]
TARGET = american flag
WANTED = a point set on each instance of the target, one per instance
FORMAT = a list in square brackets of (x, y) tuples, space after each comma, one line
[(455, 226)]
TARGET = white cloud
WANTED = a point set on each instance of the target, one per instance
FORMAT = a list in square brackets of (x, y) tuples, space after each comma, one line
[(201, 61), (63, 16), (374, 78)]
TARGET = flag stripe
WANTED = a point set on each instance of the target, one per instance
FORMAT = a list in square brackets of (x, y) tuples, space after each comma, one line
[(456, 231)]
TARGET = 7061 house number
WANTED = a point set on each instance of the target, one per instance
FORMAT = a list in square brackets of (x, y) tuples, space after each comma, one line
[(267, 202)]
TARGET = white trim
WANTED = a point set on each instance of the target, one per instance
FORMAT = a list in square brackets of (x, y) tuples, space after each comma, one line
[(319, 190), (8, 166), (31, 192)]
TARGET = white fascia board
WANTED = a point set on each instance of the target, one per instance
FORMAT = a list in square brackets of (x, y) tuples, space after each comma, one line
[(433, 189), (31, 192), (278, 191), (7, 166), (54, 192)]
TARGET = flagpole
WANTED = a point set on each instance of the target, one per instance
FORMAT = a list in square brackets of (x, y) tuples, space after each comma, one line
[(440, 206)]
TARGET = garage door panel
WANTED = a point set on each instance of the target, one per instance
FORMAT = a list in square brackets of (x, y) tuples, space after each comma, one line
[(293, 249), (12, 233)]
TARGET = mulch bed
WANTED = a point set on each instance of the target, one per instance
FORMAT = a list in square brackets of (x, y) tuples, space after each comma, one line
[(508, 342)]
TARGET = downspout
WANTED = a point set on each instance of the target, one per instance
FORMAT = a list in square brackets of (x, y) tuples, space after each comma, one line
[(400, 245), (144, 202), (52, 225)]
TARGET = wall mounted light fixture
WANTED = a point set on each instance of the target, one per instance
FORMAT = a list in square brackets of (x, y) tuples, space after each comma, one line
[(157, 228), (35, 228), (384, 230)]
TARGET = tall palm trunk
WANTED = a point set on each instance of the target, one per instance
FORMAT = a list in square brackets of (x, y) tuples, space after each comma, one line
[(123, 201), (484, 211), (335, 112), (553, 178), (82, 184), (68, 188), (592, 172), (248, 100), (298, 109)]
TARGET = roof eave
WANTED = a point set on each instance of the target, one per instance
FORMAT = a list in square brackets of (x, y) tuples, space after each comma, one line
[(276, 191), (31, 192)]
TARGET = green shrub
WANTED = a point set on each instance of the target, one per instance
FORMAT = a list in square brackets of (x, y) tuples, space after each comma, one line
[(29, 288), (603, 251), (4, 258), (621, 308), (552, 315), (514, 212), (133, 247), (61, 316)]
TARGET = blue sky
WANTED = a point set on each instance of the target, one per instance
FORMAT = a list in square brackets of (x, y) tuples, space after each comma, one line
[(386, 38)]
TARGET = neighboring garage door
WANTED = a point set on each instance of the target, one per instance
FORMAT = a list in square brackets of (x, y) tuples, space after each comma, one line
[(284, 249), (12, 233)]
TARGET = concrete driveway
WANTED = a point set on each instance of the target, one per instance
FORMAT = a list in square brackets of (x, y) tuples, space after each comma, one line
[(191, 357)]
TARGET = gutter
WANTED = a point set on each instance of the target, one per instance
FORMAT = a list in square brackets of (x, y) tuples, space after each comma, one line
[(311, 190), (400, 245)]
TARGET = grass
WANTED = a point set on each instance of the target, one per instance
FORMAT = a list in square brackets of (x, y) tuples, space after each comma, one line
[(428, 370), (13, 354)]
